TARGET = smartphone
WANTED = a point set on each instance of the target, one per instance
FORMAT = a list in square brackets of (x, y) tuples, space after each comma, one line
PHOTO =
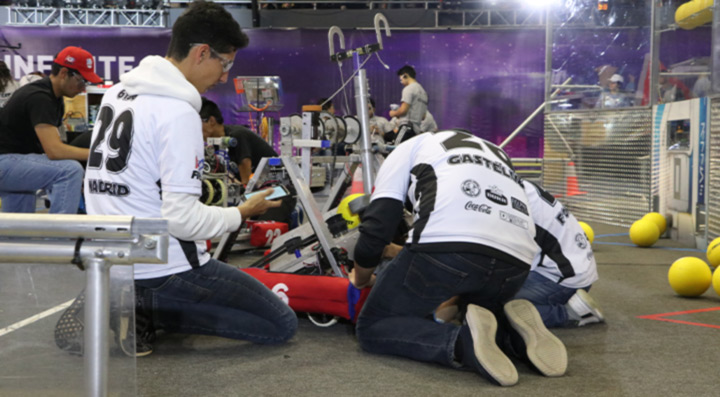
[(279, 192)]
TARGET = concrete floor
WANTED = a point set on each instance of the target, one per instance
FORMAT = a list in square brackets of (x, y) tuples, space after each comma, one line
[(627, 356)]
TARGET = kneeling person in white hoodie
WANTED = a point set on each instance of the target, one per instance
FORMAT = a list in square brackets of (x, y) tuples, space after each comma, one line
[(564, 267), (146, 160)]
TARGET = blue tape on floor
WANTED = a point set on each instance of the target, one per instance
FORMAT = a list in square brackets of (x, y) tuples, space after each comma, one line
[(661, 248), (611, 235)]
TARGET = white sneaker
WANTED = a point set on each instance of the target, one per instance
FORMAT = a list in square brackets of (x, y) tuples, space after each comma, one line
[(480, 350), (584, 307), (543, 349)]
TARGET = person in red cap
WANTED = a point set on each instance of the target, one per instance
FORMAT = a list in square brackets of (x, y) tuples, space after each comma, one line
[(32, 155)]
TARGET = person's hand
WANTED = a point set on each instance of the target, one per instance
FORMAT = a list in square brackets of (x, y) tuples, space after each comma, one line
[(257, 205), (392, 113), (361, 278)]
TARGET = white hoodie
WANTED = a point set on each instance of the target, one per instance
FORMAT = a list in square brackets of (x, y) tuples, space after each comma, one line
[(162, 154)]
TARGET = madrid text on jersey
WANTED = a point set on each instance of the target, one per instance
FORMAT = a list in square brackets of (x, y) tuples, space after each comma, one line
[(97, 186), (496, 166)]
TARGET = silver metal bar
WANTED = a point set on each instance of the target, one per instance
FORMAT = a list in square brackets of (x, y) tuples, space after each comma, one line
[(335, 31), (715, 58), (97, 320), (57, 225), (532, 116), (593, 86), (361, 95), (305, 163), (381, 20), (313, 212), (55, 251), (548, 58), (654, 52)]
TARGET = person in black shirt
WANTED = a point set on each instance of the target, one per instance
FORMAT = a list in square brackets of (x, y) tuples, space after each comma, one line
[(32, 156), (250, 147)]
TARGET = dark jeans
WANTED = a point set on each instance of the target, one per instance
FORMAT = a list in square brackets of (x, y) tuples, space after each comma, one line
[(548, 297), (217, 299), (395, 318)]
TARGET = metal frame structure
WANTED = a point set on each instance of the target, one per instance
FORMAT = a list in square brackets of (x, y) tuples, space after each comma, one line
[(93, 243), (104, 17), (490, 18)]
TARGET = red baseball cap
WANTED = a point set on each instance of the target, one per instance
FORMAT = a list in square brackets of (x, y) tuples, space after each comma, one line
[(78, 59)]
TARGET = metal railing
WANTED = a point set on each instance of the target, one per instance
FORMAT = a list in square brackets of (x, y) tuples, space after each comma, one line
[(93, 243)]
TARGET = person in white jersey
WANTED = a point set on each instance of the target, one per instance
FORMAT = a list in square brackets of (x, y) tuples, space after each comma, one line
[(146, 160), (413, 105), (465, 243), (564, 269)]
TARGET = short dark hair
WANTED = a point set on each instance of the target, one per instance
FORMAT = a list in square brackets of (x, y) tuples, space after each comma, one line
[(210, 108), (205, 23), (325, 103), (372, 102), (56, 67), (408, 70)]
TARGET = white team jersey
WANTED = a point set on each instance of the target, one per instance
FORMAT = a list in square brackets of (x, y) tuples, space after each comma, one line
[(140, 147), (463, 190), (566, 255)]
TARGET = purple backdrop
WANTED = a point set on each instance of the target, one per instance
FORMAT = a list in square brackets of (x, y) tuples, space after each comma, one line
[(486, 81)]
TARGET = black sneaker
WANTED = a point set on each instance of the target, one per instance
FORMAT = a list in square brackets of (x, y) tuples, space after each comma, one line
[(69, 328), (543, 349), (143, 334), (480, 351)]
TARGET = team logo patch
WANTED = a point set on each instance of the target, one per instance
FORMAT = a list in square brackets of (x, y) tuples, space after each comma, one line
[(513, 219), (69, 59), (519, 205), (197, 172), (581, 240), (483, 208), (89, 63), (496, 195), (471, 188)]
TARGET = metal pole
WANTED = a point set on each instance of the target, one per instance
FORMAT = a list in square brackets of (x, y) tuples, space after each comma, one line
[(532, 116), (654, 61), (361, 101), (715, 60), (548, 56), (97, 320)]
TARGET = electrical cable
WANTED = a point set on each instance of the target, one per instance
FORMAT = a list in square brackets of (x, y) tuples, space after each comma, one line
[(346, 83)]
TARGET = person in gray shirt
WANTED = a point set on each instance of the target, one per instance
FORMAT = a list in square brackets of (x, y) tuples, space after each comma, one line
[(414, 99)]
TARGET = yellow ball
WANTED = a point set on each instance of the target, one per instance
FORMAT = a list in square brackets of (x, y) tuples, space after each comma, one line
[(716, 281), (690, 276), (644, 233), (353, 220), (658, 219), (713, 252), (588, 231)]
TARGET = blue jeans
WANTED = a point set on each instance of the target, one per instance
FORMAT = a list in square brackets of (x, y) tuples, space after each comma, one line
[(21, 175), (548, 297), (217, 299), (396, 318)]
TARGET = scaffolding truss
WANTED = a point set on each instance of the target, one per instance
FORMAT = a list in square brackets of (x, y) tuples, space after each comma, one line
[(487, 18), (99, 17)]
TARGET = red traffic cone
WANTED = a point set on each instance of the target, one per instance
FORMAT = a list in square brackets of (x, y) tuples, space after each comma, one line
[(571, 181)]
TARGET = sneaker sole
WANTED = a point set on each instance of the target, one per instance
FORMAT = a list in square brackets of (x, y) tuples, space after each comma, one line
[(589, 302), (545, 351), (483, 327)]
